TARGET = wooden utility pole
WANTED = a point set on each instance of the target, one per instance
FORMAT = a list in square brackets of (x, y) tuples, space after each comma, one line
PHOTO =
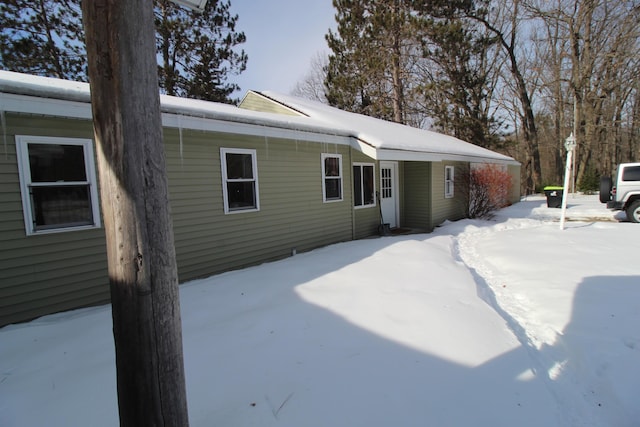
[(120, 39)]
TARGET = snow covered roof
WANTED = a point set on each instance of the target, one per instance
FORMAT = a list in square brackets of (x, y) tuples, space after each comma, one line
[(43, 95), (386, 140), (379, 139)]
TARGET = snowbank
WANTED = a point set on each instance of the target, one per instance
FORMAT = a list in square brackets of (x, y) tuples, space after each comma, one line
[(504, 322)]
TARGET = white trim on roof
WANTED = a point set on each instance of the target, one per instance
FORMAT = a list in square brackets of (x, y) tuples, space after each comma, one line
[(365, 148), (30, 104), (385, 154), (385, 140), (60, 98), (376, 138), (423, 156), (179, 121)]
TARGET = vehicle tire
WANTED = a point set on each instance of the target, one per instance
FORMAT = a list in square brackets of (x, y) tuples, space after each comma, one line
[(605, 189), (633, 211)]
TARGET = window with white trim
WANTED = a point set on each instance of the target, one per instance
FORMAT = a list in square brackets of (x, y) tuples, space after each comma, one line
[(331, 177), (364, 187), (448, 181), (58, 184), (239, 180)]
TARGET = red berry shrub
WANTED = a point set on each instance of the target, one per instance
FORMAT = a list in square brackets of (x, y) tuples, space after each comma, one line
[(488, 187)]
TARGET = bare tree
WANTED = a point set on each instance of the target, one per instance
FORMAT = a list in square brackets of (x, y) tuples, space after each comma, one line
[(504, 20), (312, 85), (551, 59), (593, 54)]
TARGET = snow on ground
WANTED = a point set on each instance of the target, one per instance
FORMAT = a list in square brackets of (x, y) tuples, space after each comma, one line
[(504, 322)]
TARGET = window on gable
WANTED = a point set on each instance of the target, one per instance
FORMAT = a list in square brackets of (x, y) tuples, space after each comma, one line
[(239, 180), (331, 177), (363, 185), (448, 181), (58, 184)]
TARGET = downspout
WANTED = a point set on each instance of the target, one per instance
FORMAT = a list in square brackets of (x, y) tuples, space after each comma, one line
[(3, 125), (353, 211)]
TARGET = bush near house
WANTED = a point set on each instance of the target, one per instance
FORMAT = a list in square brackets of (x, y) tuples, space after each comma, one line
[(488, 187)]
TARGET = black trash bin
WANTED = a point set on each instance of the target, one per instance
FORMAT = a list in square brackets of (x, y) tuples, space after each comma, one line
[(554, 196)]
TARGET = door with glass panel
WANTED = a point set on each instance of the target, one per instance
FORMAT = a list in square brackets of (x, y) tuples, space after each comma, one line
[(389, 193)]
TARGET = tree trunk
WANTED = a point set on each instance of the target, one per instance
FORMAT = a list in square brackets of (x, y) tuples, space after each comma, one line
[(396, 66), (533, 171), (633, 150), (398, 101), (141, 254), (555, 51), (581, 74)]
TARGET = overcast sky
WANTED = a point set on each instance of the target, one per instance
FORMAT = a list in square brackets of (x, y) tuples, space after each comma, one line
[(283, 36)]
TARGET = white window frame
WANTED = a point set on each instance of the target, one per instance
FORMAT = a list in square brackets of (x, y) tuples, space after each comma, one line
[(225, 180), (24, 172), (325, 177), (449, 182), (361, 166)]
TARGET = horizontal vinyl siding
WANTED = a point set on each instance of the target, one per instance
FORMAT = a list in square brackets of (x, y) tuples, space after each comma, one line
[(255, 102), (72, 296), (447, 208), (416, 195), (367, 221), (291, 216), (45, 273)]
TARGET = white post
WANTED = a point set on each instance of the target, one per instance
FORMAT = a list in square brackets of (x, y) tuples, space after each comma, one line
[(570, 145)]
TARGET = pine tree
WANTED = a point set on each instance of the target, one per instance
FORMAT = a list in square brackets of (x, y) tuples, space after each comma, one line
[(197, 50), (43, 37), (345, 80), (377, 61), (457, 89), (371, 56)]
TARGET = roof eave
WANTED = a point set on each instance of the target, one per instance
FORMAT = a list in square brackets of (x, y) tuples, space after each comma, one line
[(425, 156), (386, 154), (174, 117)]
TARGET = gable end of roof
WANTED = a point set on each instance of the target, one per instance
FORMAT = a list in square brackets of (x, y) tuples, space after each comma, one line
[(246, 103)]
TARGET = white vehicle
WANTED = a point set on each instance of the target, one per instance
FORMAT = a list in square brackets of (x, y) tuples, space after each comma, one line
[(623, 194)]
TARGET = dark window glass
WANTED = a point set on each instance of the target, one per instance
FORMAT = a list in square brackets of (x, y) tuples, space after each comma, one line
[(55, 203), (332, 166), (240, 182), (239, 166), (56, 163), (357, 186), (61, 206), (332, 188), (363, 186), (241, 195), (367, 182), (332, 178)]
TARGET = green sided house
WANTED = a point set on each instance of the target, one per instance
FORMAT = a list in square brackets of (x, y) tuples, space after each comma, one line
[(247, 185)]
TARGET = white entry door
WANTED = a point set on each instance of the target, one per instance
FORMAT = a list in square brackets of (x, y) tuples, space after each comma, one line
[(389, 193)]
